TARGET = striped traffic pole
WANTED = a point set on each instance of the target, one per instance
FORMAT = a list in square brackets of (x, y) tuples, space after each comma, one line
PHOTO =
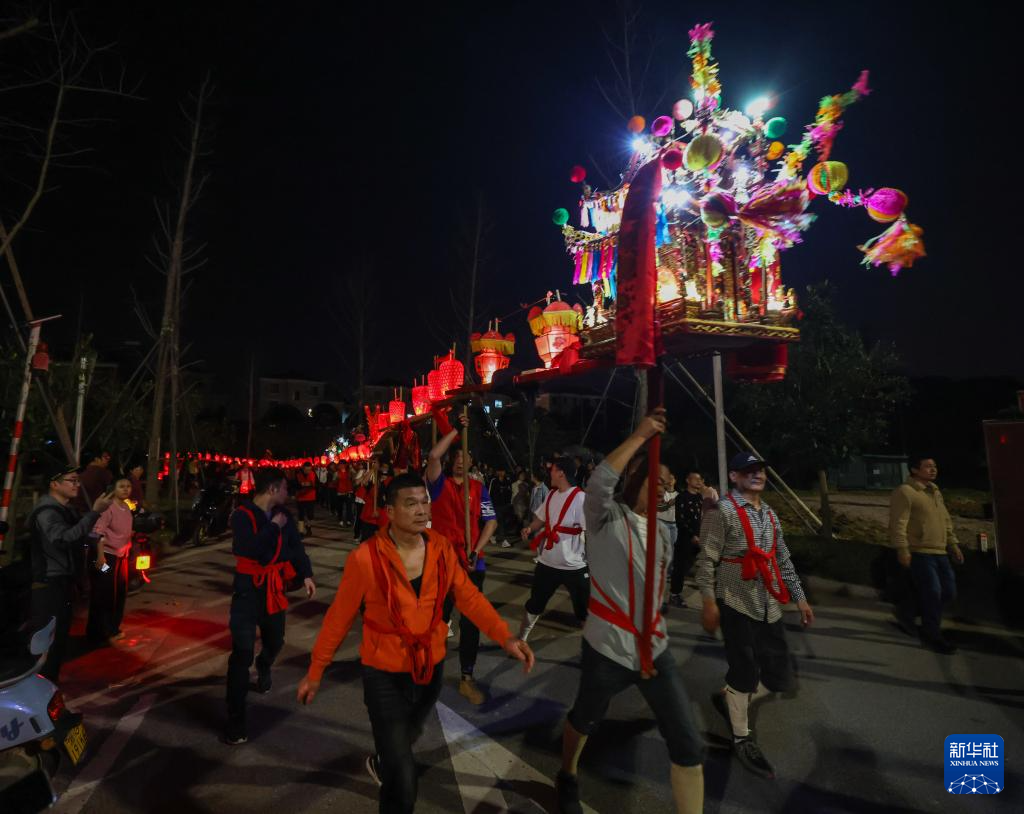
[(19, 424)]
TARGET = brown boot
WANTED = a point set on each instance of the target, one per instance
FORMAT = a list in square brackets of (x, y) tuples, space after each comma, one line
[(469, 690)]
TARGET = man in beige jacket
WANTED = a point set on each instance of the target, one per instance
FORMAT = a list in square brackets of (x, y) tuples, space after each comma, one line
[(921, 531)]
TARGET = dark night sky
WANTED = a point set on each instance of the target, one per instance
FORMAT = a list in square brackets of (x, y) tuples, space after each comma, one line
[(340, 135)]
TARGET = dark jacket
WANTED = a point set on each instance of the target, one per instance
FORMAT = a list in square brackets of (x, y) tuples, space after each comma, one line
[(262, 544), (689, 509), (58, 533)]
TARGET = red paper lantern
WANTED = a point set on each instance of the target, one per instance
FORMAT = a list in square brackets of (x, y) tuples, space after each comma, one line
[(488, 363), (396, 410), (383, 420), (421, 399), (452, 374), (434, 386)]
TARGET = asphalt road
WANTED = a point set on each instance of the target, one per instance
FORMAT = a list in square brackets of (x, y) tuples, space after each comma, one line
[(864, 733)]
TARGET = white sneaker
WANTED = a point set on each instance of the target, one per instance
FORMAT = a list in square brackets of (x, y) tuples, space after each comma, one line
[(451, 631), (506, 544)]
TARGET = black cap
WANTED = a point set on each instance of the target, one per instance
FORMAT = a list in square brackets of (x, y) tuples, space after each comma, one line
[(58, 471), (745, 460)]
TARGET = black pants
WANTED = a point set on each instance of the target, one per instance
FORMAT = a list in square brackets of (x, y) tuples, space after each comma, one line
[(305, 509), (601, 679), (249, 611), (682, 561), (107, 595), (469, 634), (344, 508), (756, 651), (546, 581), (398, 710), (53, 598)]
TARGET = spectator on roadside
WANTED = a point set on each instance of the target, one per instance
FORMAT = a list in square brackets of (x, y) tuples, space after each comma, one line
[(521, 498), (305, 497), (59, 537), (109, 578), (667, 516), (921, 531), (95, 479), (689, 512), (500, 488), (343, 486), (539, 493), (135, 473)]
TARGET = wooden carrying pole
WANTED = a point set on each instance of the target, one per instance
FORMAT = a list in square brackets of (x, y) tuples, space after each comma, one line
[(465, 478), (655, 393)]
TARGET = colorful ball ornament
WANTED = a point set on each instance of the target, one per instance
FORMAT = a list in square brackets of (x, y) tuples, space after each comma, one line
[(703, 152), (662, 126), (672, 159), (886, 204), (682, 110), (775, 150), (560, 217), (578, 175), (828, 176), (776, 127), (636, 125), (716, 209)]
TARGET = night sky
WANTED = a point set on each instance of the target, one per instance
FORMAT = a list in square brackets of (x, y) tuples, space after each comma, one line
[(347, 137)]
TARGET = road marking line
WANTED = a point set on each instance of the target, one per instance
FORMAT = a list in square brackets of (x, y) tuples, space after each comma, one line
[(100, 765), (476, 757)]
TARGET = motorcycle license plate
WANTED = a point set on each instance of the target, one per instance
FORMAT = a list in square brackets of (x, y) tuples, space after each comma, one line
[(75, 743)]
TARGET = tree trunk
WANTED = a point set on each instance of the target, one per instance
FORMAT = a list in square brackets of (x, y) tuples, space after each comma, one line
[(826, 507), (167, 364)]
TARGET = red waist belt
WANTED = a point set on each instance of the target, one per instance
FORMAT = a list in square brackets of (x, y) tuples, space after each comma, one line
[(274, 575), (757, 562), (550, 534), (418, 644), (614, 615)]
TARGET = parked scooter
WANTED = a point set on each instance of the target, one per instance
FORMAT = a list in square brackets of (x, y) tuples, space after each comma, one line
[(36, 728), (211, 510)]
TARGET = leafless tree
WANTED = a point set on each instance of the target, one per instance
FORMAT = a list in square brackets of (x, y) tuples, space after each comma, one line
[(176, 258), (46, 64)]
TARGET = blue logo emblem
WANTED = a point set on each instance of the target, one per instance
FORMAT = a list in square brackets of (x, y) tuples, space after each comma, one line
[(974, 764)]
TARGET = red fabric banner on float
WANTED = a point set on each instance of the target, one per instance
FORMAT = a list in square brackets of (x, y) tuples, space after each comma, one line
[(638, 341)]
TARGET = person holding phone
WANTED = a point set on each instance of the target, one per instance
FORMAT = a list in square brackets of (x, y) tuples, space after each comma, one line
[(108, 580)]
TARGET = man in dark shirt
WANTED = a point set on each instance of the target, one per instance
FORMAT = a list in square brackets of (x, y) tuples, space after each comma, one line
[(500, 489), (689, 510), (59, 535), (269, 553), (96, 479)]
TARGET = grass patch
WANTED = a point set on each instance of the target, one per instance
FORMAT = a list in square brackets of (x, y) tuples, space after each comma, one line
[(840, 560)]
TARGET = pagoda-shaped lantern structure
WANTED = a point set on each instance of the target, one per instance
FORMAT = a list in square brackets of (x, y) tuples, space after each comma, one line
[(556, 327), (492, 351), (720, 196)]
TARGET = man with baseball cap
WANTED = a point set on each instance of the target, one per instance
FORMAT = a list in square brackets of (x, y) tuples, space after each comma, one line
[(58, 535), (745, 575)]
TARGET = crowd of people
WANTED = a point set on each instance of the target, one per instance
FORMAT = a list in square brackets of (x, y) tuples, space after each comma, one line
[(423, 536)]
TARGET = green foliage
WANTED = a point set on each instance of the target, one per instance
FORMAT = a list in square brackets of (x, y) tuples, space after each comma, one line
[(837, 399)]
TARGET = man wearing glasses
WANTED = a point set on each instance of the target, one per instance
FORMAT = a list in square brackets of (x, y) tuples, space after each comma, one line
[(58, 534)]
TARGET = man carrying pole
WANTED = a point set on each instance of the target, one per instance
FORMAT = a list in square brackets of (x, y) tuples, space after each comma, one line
[(623, 643), (459, 505)]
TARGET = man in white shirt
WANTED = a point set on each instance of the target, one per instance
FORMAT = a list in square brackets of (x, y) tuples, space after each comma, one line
[(561, 554)]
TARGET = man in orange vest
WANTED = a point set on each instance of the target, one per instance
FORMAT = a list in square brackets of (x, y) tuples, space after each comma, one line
[(400, 578), (269, 553), (746, 576), (305, 497), (561, 554), (448, 518)]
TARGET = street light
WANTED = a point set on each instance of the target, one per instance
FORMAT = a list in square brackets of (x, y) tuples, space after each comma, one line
[(759, 106)]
